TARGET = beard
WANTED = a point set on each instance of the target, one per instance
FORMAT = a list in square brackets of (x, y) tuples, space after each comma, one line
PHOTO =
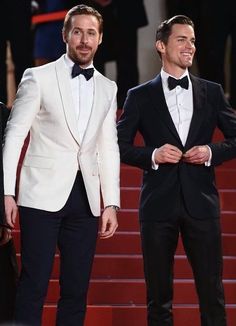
[(82, 58)]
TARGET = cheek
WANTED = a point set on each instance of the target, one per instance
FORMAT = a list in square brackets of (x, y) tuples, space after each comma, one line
[(95, 43)]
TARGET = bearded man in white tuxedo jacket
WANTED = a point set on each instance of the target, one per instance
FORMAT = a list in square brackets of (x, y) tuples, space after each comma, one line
[(72, 156)]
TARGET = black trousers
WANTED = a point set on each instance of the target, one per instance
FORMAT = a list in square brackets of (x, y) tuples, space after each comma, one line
[(202, 243), (74, 230), (8, 281)]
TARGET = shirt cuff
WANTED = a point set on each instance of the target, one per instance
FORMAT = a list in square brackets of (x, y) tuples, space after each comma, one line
[(208, 163), (155, 166)]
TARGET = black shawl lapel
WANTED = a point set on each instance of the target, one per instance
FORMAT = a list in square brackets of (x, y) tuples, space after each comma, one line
[(199, 106), (157, 99)]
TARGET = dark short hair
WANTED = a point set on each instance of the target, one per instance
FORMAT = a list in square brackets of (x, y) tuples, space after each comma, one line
[(164, 29), (82, 10)]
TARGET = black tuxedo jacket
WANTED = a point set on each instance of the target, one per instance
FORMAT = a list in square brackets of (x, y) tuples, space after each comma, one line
[(146, 112)]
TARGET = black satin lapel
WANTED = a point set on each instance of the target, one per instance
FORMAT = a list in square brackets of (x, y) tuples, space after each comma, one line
[(199, 100), (158, 101)]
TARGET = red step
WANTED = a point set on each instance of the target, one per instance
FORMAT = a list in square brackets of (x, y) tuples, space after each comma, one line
[(130, 315), (131, 266), (117, 291), (228, 221), (130, 198), (128, 220), (226, 178), (129, 243), (132, 177)]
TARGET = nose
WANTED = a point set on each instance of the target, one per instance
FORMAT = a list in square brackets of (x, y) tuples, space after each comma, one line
[(84, 38), (190, 44)]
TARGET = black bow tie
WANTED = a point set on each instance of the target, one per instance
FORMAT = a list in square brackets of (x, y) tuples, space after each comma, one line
[(77, 70), (172, 82)]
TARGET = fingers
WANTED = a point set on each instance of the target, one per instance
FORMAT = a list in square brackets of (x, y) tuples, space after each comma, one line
[(171, 154), (197, 155), (109, 223), (11, 211), (168, 154), (5, 236)]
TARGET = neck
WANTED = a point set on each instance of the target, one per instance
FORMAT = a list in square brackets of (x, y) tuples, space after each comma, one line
[(176, 72)]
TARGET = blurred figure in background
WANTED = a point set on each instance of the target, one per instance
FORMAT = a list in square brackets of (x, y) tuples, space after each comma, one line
[(48, 42), (8, 264), (122, 19), (15, 26)]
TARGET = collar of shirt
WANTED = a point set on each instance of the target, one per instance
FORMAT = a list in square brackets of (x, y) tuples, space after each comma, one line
[(165, 75), (69, 63)]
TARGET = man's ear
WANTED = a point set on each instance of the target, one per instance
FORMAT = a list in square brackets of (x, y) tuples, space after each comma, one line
[(64, 37), (100, 39), (160, 46)]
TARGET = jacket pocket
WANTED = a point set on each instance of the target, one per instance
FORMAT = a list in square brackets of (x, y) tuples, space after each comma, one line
[(38, 162)]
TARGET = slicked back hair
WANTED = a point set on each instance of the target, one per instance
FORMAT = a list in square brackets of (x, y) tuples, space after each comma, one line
[(164, 29), (81, 10)]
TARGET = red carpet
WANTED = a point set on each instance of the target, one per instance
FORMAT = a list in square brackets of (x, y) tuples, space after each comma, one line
[(117, 290)]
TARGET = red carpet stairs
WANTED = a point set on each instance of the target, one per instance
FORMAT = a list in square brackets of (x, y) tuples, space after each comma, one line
[(117, 290)]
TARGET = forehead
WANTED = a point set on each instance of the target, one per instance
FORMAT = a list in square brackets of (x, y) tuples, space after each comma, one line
[(184, 30), (84, 22)]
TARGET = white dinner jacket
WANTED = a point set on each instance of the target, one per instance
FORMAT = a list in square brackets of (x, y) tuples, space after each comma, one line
[(44, 106)]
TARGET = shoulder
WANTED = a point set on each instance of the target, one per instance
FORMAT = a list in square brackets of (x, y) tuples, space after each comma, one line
[(211, 90), (104, 80), (38, 71), (204, 82), (146, 86), (45, 73)]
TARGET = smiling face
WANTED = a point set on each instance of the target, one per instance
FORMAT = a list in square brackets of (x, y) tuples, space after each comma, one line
[(82, 39), (177, 54)]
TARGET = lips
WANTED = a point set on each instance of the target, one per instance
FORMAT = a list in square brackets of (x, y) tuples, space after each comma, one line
[(84, 48)]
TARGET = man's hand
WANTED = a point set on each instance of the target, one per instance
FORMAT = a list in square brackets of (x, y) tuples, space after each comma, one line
[(167, 154), (5, 235), (197, 155), (11, 210), (109, 223)]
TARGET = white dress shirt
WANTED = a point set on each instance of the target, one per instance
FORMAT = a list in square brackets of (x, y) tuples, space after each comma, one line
[(180, 105), (83, 94)]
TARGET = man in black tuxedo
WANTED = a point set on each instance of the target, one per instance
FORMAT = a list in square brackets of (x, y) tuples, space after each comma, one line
[(176, 113), (8, 265)]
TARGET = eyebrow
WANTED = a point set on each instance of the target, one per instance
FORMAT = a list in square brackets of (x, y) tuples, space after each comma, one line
[(185, 37)]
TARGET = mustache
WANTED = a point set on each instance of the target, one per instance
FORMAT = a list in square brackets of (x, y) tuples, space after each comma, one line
[(83, 47)]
